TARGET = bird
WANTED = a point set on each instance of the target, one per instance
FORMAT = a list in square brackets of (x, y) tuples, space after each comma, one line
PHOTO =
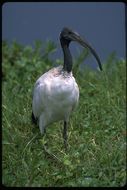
[(56, 92)]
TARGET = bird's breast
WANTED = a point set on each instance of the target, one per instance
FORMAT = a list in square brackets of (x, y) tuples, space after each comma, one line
[(61, 87), (55, 95)]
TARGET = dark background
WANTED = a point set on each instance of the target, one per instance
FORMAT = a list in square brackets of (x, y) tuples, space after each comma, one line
[(102, 24)]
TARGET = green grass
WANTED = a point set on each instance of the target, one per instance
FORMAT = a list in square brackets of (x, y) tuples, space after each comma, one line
[(96, 134)]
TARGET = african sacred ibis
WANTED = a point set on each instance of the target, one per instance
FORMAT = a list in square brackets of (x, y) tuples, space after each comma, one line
[(56, 92)]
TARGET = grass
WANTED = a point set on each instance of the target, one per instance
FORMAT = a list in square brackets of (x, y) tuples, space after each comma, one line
[(96, 134)]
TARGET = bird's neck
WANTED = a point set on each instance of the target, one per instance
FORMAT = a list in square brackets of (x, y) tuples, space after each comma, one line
[(67, 58)]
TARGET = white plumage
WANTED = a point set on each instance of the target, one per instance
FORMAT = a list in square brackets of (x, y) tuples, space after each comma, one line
[(56, 92), (55, 96)]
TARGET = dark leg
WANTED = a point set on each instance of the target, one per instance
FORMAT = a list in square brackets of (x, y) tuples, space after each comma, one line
[(65, 135), (34, 120), (45, 130)]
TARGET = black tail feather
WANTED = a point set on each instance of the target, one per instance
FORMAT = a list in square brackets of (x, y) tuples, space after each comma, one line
[(34, 120)]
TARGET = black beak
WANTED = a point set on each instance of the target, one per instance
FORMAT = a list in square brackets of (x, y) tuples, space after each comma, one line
[(77, 38)]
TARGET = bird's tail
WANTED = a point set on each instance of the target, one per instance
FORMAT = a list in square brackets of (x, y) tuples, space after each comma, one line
[(34, 120)]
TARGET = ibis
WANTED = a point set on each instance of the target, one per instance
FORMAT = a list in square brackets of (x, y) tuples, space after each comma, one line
[(56, 93)]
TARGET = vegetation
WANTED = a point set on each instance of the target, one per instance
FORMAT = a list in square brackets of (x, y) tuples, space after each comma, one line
[(97, 146)]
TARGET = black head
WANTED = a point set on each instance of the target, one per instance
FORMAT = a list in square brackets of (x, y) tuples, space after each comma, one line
[(67, 35)]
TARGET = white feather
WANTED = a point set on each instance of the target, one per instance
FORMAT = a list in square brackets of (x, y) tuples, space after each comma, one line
[(55, 96)]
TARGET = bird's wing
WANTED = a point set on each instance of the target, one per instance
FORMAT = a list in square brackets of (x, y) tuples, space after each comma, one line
[(38, 97), (40, 92)]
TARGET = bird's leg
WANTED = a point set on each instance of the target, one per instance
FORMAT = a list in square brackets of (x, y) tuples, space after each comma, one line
[(34, 120), (42, 130), (45, 130), (65, 135), (42, 125)]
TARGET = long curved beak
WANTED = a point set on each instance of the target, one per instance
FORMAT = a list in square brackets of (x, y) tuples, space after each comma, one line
[(77, 38)]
